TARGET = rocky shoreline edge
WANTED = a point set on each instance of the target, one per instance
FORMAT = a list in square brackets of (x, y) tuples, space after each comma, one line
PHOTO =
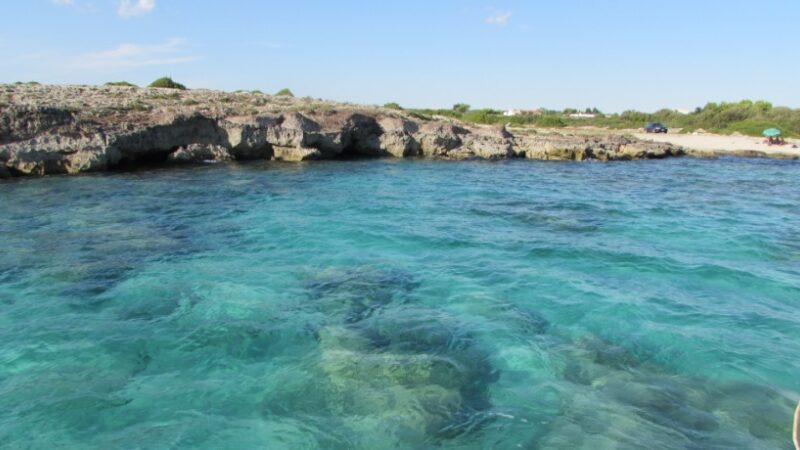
[(75, 129)]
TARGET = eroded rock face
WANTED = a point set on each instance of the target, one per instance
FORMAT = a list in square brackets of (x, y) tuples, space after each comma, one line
[(200, 153), (168, 134), (559, 147), (296, 154), (247, 136), (438, 139), (73, 129), (22, 122), (397, 138), (55, 154)]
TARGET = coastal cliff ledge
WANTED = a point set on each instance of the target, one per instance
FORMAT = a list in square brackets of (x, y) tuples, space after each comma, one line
[(74, 129)]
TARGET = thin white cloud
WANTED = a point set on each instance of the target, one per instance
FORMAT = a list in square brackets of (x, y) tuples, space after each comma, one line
[(132, 8), (137, 55), (499, 18), (62, 2)]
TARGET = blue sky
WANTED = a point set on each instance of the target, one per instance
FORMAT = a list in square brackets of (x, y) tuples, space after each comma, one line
[(614, 55)]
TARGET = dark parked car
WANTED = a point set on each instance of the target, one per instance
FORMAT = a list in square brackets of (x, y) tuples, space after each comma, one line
[(655, 128)]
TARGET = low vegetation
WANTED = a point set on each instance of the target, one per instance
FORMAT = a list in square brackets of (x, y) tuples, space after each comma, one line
[(167, 83), (746, 117), (393, 105), (120, 84), (284, 93), (461, 108)]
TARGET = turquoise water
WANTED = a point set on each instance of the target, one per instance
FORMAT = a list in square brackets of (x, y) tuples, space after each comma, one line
[(403, 304)]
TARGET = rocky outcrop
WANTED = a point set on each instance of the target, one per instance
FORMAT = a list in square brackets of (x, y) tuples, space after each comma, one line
[(609, 148), (776, 154), (397, 137), (74, 129), (200, 153), (296, 154), (438, 139)]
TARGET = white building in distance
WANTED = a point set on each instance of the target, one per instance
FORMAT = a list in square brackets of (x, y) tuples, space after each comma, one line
[(522, 112)]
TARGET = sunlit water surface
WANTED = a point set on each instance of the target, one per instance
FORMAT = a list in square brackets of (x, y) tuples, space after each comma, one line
[(403, 304)]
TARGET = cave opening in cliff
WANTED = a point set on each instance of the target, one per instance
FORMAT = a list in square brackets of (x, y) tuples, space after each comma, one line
[(352, 152), (145, 160)]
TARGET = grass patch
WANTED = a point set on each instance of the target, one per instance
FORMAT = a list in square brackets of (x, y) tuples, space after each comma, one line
[(137, 106), (120, 84), (167, 83)]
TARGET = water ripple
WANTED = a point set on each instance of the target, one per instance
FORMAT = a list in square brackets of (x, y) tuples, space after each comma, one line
[(403, 304)]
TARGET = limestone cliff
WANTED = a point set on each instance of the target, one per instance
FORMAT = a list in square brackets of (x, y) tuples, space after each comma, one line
[(74, 129)]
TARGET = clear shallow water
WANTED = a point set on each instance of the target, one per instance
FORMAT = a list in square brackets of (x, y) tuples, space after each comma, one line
[(403, 304)]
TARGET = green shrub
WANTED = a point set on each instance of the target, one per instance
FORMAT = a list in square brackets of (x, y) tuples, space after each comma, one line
[(483, 116), (284, 93), (461, 108), (420, 116), (549, 121), (393, 105), (33, 83), (137, 106), (120, 83), (167, 83)]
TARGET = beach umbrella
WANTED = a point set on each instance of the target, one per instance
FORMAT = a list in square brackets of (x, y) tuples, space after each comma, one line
[(772, 132)]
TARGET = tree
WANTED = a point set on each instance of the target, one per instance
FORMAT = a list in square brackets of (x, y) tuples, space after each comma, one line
[(167, 83), (461, 108)]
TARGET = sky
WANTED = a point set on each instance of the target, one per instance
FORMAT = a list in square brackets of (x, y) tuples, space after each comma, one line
[(613, 55)]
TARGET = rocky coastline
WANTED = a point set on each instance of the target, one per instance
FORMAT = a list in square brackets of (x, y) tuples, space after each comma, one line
[(74, 129)]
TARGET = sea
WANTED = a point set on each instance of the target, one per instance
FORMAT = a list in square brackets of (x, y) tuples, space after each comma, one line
[(403, 304)]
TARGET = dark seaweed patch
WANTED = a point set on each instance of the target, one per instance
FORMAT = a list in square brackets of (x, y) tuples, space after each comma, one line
[(357, 294)]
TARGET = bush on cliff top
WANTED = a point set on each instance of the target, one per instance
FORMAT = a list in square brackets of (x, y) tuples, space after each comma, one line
[(120, 83), (393, 105), (285, 93), (461, 108), (167, 83)]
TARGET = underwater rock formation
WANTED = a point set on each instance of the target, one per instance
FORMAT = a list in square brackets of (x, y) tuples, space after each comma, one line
[(392, 364)]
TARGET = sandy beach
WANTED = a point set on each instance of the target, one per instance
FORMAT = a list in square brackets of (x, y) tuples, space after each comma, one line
[(719, 143)]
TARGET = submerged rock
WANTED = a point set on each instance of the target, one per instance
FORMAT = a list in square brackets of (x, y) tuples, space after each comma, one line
[(657, 403), (391, 365)]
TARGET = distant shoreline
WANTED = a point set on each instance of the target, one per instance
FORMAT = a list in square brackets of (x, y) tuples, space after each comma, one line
[(74, 129)]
